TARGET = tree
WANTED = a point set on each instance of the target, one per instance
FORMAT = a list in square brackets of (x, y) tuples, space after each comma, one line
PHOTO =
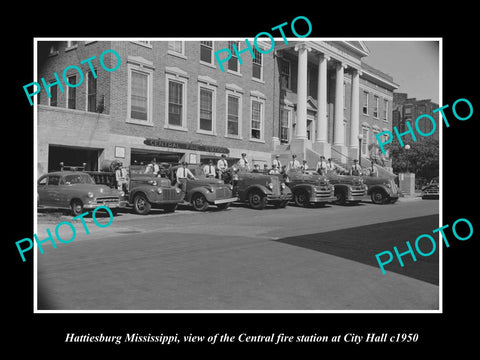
[(422, 158)]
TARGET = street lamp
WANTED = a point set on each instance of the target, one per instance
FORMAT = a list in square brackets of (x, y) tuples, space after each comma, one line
[(407, 147), (360, 138)]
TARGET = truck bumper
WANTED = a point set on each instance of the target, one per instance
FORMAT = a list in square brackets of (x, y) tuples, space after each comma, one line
[(223, 201), (281, 197), (320, 199)]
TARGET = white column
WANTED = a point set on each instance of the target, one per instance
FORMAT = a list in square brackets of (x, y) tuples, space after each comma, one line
[(355, 109), (322, 99), (338, 134), (301, 126)]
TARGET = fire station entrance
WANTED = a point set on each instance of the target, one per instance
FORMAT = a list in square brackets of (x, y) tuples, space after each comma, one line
[(72, 156)]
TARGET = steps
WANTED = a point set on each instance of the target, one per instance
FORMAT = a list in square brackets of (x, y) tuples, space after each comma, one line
[(342, 162)]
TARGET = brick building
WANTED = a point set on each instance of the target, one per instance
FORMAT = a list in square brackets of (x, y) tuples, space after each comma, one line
[(169, 100), (408, 109)]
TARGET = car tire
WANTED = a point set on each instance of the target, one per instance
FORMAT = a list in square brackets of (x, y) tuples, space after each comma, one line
[(199, 202), (141, 205), (301, 198), (257, 200), (77, 207), (170, 208), (378, 197)]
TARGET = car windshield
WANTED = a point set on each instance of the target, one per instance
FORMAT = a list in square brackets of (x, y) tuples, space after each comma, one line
[(78, 179)]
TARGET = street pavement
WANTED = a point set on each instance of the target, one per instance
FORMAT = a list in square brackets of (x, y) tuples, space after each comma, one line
[(289, 259)]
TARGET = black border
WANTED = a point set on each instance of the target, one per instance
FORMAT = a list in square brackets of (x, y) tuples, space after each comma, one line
[(460, 75)]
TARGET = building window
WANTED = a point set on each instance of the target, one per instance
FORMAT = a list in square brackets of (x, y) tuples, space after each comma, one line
[(176, 99), (91, 92), (256, 120), (206, 52), (285, 80), (54, 94), (175, 103), (364, 140), (233, 64), (71, 92), (284, 125), (176, 48), (138, 95), (233, 115), (375, 107), (385, 109), (257, 68), (365, 103), (206, 110)]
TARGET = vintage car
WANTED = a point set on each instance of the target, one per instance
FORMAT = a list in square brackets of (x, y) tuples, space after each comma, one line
[(258, 189), (432, 190), (143, 190), (76, 191), (309, 188), (202, 191), (348, 188), (381, 190)]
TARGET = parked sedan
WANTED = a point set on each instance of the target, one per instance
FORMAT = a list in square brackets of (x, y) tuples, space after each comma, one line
[(76, 191), (432, 190)]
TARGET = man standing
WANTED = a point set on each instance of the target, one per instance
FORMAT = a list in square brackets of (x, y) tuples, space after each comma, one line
[(243, 162), (356, 169), (304, 165), (183, 173), (293, 164), (209, 170), (330, 166), (222, 166), (277, 162), (322, 166)]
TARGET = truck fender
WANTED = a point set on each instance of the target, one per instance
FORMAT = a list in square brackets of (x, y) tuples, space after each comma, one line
[(261, 188)]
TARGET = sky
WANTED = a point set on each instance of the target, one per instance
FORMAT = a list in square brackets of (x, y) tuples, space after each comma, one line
[(414, 65)]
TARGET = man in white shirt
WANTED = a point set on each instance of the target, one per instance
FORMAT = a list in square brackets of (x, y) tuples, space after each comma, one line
[(209, 170), (321, 166), (183, 173), (293, 164), (277, 162), (356, 169), (243, 162), (330, 166), (222, 166), (304, 165)]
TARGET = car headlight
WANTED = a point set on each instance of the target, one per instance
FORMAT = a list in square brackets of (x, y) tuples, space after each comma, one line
[(159, 190), (282, 185), (270, 186), (230, 186), (90, 194), (122, 194), (152, 182), (210, 189), (388, 185), (178, 190)]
